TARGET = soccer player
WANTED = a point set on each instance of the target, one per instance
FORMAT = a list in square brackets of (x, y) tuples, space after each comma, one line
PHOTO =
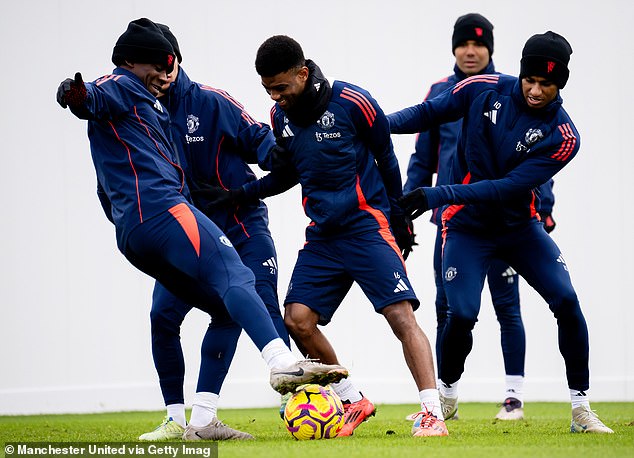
[(214, 138), (339, 150), (143, 192), (472, 46), (515, 136)]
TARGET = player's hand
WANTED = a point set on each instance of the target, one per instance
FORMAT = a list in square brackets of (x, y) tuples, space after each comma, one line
[(403, 230), (72, 92), (280, 157), (549, 223), (414, 203), (216, 198)]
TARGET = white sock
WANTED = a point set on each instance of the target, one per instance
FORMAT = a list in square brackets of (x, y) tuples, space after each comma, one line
[(204, 408), (429, 401), (177, 413), (579, 398), (449, 390), (346, 390), (277, 355), (515, 387)]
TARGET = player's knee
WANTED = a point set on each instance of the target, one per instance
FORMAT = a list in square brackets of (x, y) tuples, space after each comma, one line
[(165, 320), (401, 319), (299, 320), (507, 314), (297, 327), (463, 319), (565, 304)]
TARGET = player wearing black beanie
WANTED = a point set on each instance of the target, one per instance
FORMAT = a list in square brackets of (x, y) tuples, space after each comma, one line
[(546, 55), (143, 42), (472, 26)]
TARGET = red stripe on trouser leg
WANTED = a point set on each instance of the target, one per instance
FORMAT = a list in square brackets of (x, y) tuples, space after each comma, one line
[(187, 220)]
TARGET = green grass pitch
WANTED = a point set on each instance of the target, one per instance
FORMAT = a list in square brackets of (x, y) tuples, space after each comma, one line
[(544, 433)]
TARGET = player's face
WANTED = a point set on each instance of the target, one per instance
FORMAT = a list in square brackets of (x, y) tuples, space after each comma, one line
[(472, 57), (538, 92), (153, 76), (285, 88), (171, 77)]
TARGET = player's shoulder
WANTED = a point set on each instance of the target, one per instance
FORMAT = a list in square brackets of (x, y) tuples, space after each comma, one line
[(479, 81), (339, 87), (217, 95), (443, 83), (118, 79), (123, 85), (565, 126), (351, 96)]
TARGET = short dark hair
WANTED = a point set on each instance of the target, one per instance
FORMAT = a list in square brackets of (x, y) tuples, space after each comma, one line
[(278, 54)]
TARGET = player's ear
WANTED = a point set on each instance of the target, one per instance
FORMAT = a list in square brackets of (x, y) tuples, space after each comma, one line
[(302, 73)]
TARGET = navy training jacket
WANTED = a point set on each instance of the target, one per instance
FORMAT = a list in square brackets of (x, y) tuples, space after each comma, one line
[(435, 148), (505, 152), (215, 138), (345, 163), (138, 176)]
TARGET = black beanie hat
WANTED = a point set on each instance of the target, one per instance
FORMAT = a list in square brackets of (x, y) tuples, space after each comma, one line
[(546, 55), (172, 39), (473, 26), (144, 43)]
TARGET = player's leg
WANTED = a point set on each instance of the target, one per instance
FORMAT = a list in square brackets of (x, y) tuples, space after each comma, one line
[(166, 317), (387, 286), (504, 287), (319, 267), (258, 254), (441, 306), (537, 258), (302, 322), (441, 298), (217, 351), (466, 260), (191, 257)]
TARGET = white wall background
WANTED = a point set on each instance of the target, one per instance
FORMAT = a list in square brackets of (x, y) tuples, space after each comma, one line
[(74, 314)]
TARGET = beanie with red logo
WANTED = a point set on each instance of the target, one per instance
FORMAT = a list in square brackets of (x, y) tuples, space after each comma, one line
[(472, 26), (143, 42), (546, 55)]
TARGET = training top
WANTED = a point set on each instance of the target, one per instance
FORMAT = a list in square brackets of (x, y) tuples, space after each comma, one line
[(345, 163), (137, 173), (505, 151), (215, 138), (435, 148)]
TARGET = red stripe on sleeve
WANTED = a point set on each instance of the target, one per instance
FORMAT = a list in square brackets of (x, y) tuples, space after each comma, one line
[(273, 117), (158, 148), (136, 176), (475, 79), (568, 144), (222, 139), (362, 102)]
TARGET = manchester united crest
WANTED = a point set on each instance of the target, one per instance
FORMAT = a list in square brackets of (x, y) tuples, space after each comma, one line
[(326, 121), (192, 123)]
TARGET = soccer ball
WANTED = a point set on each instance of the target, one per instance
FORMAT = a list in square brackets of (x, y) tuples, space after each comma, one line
[(314, 412)]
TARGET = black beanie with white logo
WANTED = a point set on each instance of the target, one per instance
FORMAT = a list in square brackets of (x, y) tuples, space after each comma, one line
[(143, 42), (546, 55), (472, 26)]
